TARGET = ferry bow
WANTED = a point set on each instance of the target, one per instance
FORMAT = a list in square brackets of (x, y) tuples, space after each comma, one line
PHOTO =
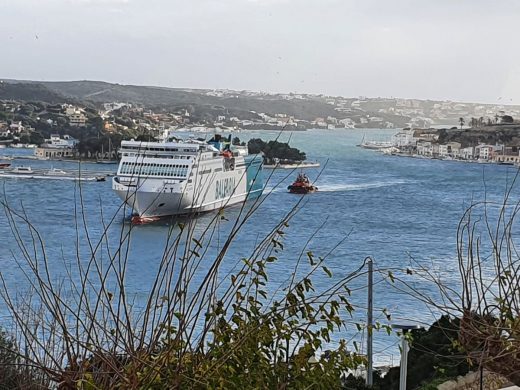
[(159, 179)]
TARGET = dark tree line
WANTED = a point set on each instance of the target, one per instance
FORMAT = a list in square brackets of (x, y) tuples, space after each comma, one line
[(275, 150)]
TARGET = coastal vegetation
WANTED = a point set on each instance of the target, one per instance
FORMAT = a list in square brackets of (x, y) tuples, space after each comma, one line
[(434, 357), (507, 134), (486, 298), (83, 330), (275, 151)]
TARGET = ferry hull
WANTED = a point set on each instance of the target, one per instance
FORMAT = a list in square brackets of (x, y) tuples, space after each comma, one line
[(153, 204), (149, 198), (177, 178)]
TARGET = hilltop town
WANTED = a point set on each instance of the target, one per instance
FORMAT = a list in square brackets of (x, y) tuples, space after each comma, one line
[(91, 118)]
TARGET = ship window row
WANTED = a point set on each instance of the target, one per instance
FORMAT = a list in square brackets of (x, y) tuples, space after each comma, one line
[(141, 148), (182, 157), (152, 169)]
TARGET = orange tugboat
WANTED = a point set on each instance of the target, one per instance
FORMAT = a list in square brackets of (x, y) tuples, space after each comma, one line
[(302, 185)]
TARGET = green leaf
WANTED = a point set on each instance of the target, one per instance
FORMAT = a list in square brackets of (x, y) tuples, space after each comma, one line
[(391, 276), (327, 271), (310, 255)]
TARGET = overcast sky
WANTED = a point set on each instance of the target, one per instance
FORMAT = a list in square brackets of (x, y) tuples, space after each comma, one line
[(441, 49)]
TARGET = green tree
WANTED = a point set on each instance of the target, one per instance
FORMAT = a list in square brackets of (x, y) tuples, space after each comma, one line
[(461, 122), (275, 150), (14, 373)]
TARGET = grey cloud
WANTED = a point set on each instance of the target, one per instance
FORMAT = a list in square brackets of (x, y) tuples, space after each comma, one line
[(411, 48)]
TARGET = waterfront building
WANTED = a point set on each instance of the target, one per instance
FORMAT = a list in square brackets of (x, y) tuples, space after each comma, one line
[(484, 152), (507, 158), (58, 148), (508, 155), (424, 148), (50, 152), (66, 142), (404, 138), (451, 149), (435, 150), (467, 153)]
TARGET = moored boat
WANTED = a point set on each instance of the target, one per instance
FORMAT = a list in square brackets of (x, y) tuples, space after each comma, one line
[(56, 172), (21, 169)]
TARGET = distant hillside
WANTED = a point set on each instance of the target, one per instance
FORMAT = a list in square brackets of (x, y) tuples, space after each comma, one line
[(100, 92), (97, 91), (30, 92)]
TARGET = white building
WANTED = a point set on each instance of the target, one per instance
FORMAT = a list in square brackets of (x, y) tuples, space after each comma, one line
[(451, 149), (66, 142), (467, 153), (16, 128), (424, 148), (484, 152), (76, 116), (347, 123), (404, 138)]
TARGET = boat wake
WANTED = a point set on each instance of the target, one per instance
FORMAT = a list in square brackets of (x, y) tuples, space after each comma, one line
[(273, 190), (343, 187)]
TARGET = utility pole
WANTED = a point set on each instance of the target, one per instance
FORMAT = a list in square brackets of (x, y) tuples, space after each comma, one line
[(369, 381), (404, 353)]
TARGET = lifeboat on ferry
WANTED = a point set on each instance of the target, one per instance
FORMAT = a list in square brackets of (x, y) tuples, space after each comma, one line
[(226, 154), (302, 185)]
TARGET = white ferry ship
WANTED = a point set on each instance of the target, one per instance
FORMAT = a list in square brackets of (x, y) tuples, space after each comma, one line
[(159, 179)]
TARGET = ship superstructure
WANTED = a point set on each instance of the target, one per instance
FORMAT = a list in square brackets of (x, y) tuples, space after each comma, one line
[(169, 178)]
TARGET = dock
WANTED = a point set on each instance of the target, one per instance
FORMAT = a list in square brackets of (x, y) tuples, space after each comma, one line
[(293, 166)]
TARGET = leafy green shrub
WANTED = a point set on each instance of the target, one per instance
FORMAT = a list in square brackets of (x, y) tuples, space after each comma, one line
[(14, 374), (229, 331)]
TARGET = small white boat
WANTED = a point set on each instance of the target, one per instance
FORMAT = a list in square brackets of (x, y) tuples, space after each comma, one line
[(56, 172), (22, 170)]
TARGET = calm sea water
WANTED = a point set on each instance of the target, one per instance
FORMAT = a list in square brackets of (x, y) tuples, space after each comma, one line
[(391, 208)]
